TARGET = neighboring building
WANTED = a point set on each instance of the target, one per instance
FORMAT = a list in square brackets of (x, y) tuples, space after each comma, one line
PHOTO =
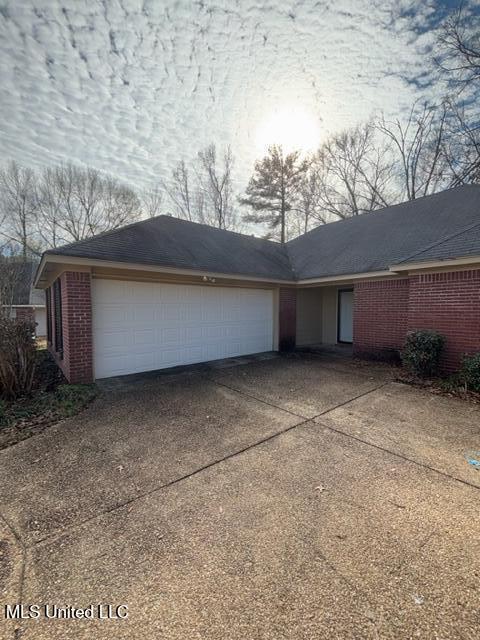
[(165, 292), (25, 301)]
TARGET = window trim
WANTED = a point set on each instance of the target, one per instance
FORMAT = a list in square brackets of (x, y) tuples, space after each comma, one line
[(48, 302), (58, 319)]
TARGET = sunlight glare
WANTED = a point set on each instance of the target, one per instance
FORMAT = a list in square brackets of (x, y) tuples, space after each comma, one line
[(292, 128)]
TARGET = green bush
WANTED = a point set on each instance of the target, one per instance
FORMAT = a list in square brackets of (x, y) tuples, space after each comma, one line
[(470, 372), (422, 351), (18, 357)]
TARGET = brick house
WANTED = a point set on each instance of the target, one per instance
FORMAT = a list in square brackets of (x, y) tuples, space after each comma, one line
[(165, 292)]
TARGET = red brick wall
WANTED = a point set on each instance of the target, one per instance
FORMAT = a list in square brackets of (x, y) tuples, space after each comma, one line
[(25, 313), (77, 360), (450, 304), (287, 325), (380, 316)]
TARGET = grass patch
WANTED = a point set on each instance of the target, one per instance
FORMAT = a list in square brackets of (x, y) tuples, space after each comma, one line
[(63, 402), (51, 401)]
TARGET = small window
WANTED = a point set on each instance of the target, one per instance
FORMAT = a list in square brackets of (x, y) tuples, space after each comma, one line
[(48, 300), (57, 302)]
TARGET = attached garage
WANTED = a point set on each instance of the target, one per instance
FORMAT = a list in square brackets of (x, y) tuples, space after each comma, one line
[(164, 292), (143, 326)]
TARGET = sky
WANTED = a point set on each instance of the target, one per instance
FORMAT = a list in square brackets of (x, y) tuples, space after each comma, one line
[(133, 86)]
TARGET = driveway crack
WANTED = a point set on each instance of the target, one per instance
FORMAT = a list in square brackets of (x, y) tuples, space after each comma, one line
[(120, 505), (23, 552), (253, 397), (424, 465), (292, 413), (303, 421), (348, 435)]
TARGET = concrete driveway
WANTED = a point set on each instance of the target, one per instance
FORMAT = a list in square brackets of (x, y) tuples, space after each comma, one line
[(289, 498)]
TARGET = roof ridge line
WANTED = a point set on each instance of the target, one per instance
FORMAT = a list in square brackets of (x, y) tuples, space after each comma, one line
[(102, 234), (439, 242), (389, 206), (237, 233)]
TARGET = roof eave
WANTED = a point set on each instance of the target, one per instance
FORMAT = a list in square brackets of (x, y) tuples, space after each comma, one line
[(54, 258), (344, 277), (396, 269), (433, 264)]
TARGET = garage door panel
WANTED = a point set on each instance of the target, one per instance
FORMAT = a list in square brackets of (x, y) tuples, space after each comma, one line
[(145, 337), (144, 314), (111, 291), (145, 361), (171, 335), (145, 326), (113, 340), (114, 364), (193, 334)]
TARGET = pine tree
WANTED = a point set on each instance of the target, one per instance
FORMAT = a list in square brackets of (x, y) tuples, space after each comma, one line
[(273, 189)]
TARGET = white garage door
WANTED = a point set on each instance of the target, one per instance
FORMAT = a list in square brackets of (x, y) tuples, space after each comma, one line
[(141, 326)]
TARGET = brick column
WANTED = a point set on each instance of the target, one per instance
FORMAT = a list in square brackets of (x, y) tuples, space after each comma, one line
[(77, 362), (287, 323)]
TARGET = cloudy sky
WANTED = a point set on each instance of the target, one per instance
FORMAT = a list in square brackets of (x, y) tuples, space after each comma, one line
[(133, 86)]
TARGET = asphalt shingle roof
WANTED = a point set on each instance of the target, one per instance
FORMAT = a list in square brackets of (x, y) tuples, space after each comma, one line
[(375, 241), (437, 226), (462, 244), (171, 242)]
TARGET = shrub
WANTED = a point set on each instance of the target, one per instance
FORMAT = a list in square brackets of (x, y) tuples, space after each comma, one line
[(470, 372), (422, 351), (17, 357)]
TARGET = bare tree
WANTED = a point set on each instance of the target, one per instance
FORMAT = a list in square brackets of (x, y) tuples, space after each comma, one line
[(204, 192), (119, 206), (307, 211), (10, 272), (459, 47), (462, 148), (76, 203), (215, 180), (353, 175), (151, 201), (419, 149), (69, 196), (18, 205), (49, 209), (273, 190), (180, 192), (458, 57)]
